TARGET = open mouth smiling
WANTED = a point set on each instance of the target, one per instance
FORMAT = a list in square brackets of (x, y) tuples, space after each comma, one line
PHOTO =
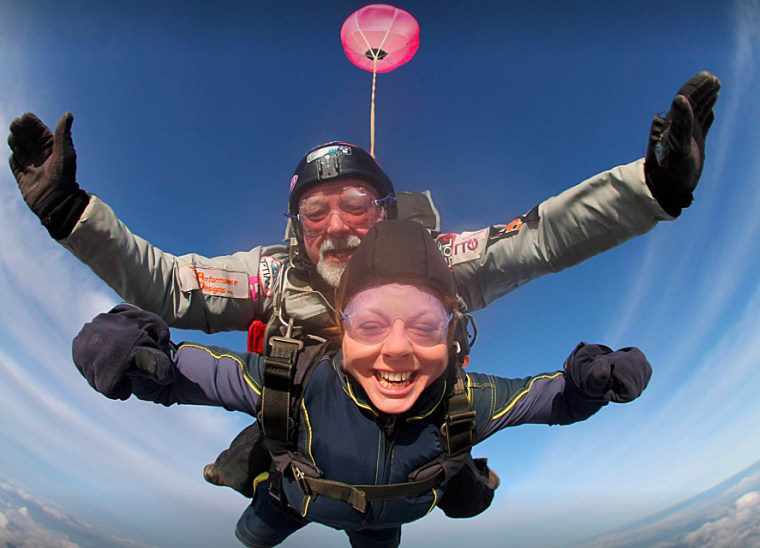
[(391, 380)]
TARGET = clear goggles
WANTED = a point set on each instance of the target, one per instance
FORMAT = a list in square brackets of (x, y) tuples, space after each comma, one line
[(370, 315), (357, 206)]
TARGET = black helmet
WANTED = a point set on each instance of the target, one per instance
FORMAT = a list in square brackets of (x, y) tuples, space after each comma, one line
[(397, 252), (337, 160), (403, 251)]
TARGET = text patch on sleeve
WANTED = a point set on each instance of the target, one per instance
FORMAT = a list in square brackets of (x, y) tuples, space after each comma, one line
[(214, 281)]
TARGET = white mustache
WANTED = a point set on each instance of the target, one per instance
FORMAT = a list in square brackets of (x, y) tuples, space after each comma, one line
[(346, 242)]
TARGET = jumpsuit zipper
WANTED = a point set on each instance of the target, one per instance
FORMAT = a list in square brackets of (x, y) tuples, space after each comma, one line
[(389, 429)]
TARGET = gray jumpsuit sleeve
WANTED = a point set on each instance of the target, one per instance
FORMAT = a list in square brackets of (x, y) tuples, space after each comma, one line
[(589, 218), (188, 291)]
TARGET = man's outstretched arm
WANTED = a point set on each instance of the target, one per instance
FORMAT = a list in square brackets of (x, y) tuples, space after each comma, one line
[(189, 291), (595, 215)]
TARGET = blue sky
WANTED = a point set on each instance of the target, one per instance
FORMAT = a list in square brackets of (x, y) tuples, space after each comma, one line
[(189, 120)]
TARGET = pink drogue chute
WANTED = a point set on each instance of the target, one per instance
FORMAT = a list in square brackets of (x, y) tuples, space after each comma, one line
[(382, 33)]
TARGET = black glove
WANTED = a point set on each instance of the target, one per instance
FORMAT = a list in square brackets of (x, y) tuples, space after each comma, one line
[(45, 167), (125, 341), (676, 149), (602, 374)]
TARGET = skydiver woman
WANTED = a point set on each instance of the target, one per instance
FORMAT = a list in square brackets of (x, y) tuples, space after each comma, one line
[(365, 439)]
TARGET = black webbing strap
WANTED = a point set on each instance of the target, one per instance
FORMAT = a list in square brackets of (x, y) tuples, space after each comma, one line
[(278, 372), (359, 496), (458, 429)]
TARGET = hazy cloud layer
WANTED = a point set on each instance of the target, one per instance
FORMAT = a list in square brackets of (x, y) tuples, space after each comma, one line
[(726, 516), (740, 527), (29, 521)]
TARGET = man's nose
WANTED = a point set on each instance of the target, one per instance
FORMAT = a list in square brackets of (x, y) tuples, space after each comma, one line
[(336, 225)]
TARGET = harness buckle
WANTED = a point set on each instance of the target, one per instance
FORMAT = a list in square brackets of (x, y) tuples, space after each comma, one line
[(458, 431), (300, 478), (459, 419), (285, 347), (275, 489), (279, 363)]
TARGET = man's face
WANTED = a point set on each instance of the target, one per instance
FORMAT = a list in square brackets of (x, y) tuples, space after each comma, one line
[(334, 218), (395, 344)]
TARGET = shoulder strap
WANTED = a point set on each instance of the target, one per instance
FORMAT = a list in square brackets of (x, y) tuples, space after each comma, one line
[(278, 375), (458, 428), (286, 370)]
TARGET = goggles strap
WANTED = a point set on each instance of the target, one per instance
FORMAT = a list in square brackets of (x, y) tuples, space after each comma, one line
[(384, 199)]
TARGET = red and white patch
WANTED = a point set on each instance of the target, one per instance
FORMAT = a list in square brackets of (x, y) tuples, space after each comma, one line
[(293, 182), (464, 247)]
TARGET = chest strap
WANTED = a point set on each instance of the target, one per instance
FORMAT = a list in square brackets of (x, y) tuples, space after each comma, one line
[(359, 496)]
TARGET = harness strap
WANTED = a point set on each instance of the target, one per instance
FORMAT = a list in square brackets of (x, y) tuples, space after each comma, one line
[(359, 496), (458, 429), (278, 374)]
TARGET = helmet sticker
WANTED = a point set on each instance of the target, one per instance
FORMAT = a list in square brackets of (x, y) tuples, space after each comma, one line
[(293, 182), (334, 149)]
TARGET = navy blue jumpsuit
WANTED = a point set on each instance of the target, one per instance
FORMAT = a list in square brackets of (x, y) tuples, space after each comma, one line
[(349, 441)]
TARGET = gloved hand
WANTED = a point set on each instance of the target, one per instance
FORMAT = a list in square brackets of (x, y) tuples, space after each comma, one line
[(676, 149), (602, 374), (125, 341), (45, 166)]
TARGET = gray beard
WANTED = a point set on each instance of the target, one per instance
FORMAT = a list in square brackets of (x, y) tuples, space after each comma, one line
[(332, 271)]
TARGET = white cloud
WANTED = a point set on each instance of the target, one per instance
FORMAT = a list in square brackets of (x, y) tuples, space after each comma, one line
[(749, 480), (748, 500), (639, 288), (740, 527), (748, 33)]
